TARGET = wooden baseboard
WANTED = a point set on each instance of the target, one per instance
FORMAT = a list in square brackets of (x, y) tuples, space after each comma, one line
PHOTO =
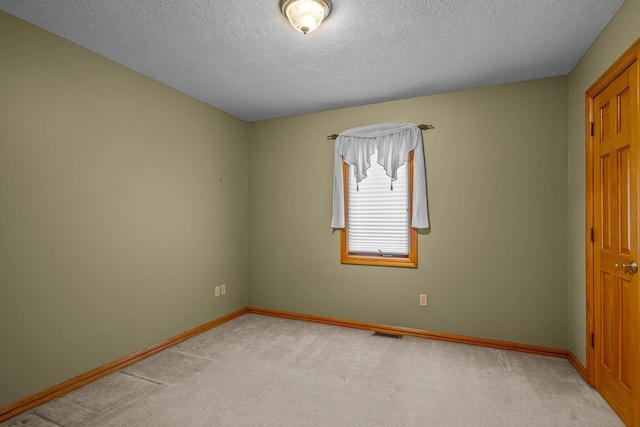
[(69, 385), (577, 365), (461, 339)]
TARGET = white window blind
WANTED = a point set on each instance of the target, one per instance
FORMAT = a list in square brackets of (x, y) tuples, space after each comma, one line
[(378, 217)]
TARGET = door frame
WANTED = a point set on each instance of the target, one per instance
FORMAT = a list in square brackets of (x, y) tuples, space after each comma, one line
[(628, 57)]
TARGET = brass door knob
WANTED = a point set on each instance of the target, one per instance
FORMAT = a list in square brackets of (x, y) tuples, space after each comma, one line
[(632, 267)]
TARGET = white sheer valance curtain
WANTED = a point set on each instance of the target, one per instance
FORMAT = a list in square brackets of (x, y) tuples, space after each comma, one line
[(393, 142)]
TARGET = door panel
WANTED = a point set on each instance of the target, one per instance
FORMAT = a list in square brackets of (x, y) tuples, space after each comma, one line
[(626, 329), (624, 199), (607, 185), (624, 107), (609, 337), (606, 118)]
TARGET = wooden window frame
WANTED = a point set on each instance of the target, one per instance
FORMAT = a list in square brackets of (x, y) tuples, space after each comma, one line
[(409, 261)]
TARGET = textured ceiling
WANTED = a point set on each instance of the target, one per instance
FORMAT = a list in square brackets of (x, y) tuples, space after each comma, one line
[(243, 57)]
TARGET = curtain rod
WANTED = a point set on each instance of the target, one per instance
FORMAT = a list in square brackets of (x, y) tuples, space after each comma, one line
[(423, 127)]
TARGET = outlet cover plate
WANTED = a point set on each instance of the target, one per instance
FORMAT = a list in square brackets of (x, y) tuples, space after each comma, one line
[(423, 300)]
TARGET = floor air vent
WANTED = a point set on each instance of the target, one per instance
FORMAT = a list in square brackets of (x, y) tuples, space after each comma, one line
[(382, 334)]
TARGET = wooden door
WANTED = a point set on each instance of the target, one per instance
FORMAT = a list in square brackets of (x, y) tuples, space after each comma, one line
[(615, 222)]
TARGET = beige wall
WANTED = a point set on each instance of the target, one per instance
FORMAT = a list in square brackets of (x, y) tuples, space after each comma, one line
[(123, 202), (622, 32), (494, 262)]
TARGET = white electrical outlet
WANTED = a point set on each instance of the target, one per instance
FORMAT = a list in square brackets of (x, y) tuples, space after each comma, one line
[(217, 291), (423, 300), (223, 289)]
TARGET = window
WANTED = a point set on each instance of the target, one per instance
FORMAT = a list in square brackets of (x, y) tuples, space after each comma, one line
[(378, 217), (380, 194)]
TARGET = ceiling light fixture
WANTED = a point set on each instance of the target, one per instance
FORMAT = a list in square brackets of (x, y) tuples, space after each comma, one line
[(305, 15)]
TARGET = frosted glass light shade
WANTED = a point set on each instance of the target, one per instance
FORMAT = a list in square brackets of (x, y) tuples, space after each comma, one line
[(305, 15)]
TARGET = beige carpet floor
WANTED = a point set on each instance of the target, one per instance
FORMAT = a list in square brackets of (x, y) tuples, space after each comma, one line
[(264, 371)]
